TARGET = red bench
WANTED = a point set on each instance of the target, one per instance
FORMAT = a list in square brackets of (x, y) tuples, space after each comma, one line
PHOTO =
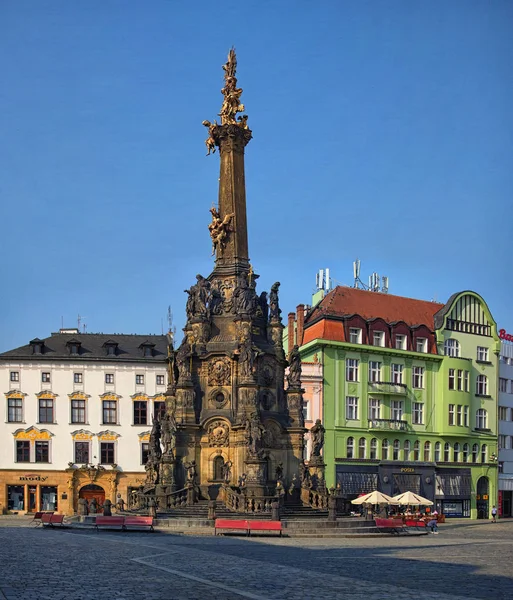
[(136, 522), (37, 516), (390, 525), (265, 526), (51, 520), (109, 522), (232, 525), (415, 524)]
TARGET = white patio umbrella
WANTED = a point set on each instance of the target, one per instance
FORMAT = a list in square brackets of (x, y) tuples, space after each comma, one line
[(409, 498), (373, 498)]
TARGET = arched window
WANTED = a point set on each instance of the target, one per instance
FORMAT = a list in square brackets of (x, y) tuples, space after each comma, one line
[(484, 453), (475, 452), (218, 468), (416, 450), (407, 449), (362, 447), (350, 447), (481, 419), (374, 448), (395, 449), (438, 451), (466, 450), (447, 452), (457, 450), (451, 348), (427, 451), (384, 449), (482, 385)]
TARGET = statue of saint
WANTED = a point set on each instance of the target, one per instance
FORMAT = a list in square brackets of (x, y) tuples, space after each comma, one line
[(247, 359), (182, 361), (244, 298), (294, 375), (274, 304), (317, 437), (254, 435), (197, 301), (227, 472), (168, 434), (155, 449), (210, 142)]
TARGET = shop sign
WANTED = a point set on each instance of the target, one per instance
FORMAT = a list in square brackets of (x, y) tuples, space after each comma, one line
[(507, 337), (500, 503), (407, 470), (32, 477)]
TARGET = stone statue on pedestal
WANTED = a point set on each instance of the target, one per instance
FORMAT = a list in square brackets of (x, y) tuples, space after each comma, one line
[(294, 375), (317, 437)]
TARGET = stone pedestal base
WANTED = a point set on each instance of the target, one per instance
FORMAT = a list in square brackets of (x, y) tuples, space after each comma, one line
[(167, 472), (255, 476), (316, 468)]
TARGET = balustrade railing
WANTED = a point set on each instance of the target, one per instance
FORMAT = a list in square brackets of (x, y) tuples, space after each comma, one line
[(316, 499), (240, 502)]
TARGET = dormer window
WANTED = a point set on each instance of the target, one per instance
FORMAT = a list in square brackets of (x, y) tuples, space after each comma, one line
[(111, 347), (378, 338), (147, 349), (37, 346), (73, 346), (421, 345)]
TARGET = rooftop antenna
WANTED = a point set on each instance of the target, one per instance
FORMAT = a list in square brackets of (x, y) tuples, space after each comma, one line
[(376, 283), (79, 323), (384, 284), (323, 281), (356, 273)]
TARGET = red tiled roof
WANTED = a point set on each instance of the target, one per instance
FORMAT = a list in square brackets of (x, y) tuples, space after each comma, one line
[(345, 301)]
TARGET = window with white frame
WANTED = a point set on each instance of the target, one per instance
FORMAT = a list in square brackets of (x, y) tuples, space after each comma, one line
[(466, 452), (418, 377), (475, 452), (416, 450), (503, 384), (109, 378), (396, 447), (421, 345), (350, 447), (145, 452), (482, 385), (160, 380), (351, 407), (452, 412), (447, 452), (397, 373), (438, 450), (107, 453), (400, 341), (407, 450), (460, 380), (459, 415), (482, 354), (467, 381), (385, 445), (374, 409), (42, 451), (451, 348), (484, 453), (355, 335), (45, 377), (396, 410), (15, 410), (37, 451), (351, 369), (452, 379), (457, 450), (82, 454), (78, 411), (15, 375), (465, 416), (481, 419), (362, 448), (374, 371), (139, 379), (77, 378), (378, 338), (373, 449), (110, 412), (427, 451), (418, 413)]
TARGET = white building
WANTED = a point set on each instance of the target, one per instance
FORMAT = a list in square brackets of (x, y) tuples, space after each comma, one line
[(78, 413), (506, 427)]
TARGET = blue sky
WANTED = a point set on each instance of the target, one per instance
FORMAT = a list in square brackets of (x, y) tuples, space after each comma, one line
[(382, 130)]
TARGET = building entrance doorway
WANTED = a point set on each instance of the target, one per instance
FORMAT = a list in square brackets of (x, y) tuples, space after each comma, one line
[(482, 492), (93, 491)]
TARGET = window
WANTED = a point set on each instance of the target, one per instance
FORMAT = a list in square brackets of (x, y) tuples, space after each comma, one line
[(503, 384), (107, 453), (140, 412), (451, 348), (407, 450), (484, 453), (45, 377), (416, 450), (475, 452), (396, 410), (351, 407), (418, 413), (77, 377), (15, 410), (418, 377), (350, 447), (438, 449), (465, 416), (400, 342), (373, 448), (374, 408), (384, 449), (82, 453), (109, 377), (378, 338), (110, 412), (145, 452), (374, 371), (78, 411), (451, 414), (351, 369), (362, 446), (42, 452), (22, 451), (421, 345), (466, 451), (15, 376), (452, 379), (427, 451), (139, 379), (481, 419), (395, 449), (503, 413), (148, 351), (459, 413), (502, 442), (111, 349), (482, 385), (159, 409), (447, 452), (467, 381), (355, 335), (482, 354), (160, 379), (457, 450), (45, 410), (460, 380), (397, 373)]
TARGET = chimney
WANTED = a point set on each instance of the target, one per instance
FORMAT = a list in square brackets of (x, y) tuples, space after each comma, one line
[(290, 329), (300, 311)]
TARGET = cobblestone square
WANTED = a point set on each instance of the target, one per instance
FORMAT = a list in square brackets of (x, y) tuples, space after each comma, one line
[(467, 560)]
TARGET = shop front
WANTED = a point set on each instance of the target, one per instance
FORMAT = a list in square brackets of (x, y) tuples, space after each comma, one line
[(31, 492), (453, 492)]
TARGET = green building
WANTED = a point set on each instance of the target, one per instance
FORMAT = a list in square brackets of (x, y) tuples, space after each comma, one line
[(409, 395)]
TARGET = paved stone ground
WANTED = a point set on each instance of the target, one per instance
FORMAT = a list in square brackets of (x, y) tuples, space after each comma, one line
[(471, 560)]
